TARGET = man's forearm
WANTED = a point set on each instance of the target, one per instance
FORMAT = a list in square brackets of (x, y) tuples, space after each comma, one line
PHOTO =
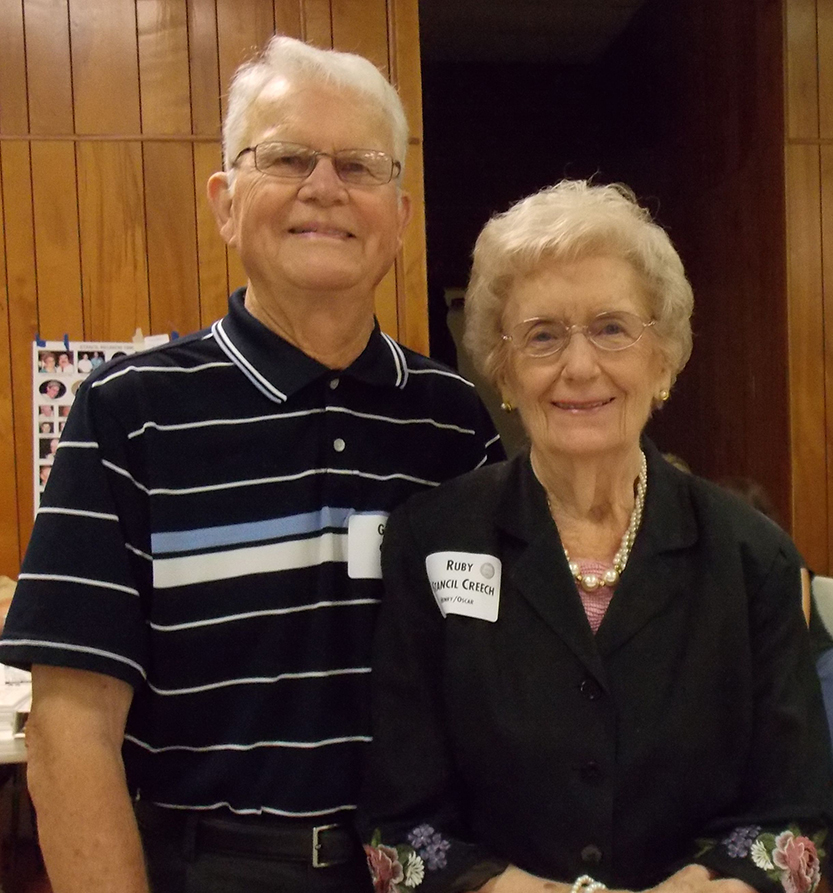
[(86, 825)]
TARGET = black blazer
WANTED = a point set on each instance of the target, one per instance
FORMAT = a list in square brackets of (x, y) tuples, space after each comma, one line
[(693, 712)]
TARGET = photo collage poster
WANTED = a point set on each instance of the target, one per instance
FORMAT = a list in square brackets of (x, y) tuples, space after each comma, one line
[(58, 368)]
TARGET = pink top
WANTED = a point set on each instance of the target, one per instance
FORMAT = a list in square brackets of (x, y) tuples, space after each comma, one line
[(595, 603)]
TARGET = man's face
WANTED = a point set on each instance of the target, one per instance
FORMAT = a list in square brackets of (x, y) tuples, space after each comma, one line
[(315, 236)]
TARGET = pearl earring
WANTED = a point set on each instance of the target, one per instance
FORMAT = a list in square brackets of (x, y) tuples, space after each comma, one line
[(664, 395), (506, 406)]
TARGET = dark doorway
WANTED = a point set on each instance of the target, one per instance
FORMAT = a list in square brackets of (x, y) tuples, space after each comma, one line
[(681, 100)]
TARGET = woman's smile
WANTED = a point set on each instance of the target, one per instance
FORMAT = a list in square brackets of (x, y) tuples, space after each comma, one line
[(582, 406)]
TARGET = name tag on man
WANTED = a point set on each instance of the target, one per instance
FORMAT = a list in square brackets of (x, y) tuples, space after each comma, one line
[(364, 545), (466, 583)]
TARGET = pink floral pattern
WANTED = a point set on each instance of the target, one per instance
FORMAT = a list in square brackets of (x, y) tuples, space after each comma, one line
[(385, 868), (401, 869), (788, 857), (798, 860)]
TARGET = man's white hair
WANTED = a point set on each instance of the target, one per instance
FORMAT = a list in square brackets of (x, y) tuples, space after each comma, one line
[(293, 60)]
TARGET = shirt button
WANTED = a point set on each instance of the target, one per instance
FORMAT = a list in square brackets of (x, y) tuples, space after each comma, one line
[(333, 384), (591, 855), (339, 445), (590, 689)]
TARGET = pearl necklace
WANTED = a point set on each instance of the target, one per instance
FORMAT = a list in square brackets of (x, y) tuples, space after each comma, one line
[(591, 582)]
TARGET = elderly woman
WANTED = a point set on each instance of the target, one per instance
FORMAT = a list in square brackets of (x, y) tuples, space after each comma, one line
[(591, 668)]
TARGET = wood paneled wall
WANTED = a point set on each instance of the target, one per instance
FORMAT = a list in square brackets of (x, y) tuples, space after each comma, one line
[(110, 115), (703, 82), (808, 154)]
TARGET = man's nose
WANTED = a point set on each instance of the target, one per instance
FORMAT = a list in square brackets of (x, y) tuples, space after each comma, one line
[(323, 183)]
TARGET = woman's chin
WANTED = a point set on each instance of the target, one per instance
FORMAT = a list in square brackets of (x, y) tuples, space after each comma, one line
[(583, 444)]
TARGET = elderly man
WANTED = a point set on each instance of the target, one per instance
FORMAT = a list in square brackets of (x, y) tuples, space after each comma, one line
[(199, 593)]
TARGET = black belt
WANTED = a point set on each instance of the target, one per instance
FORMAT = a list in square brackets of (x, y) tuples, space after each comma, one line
[(330, 843)]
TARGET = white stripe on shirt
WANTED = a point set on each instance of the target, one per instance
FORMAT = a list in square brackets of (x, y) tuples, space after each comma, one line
[(265, 559), (258, 680), (267, 612)]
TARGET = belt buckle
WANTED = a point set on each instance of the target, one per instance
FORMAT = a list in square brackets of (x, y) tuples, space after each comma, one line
[(316, 846)]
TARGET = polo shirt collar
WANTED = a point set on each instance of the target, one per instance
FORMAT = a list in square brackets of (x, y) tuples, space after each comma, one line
[(279, 370)]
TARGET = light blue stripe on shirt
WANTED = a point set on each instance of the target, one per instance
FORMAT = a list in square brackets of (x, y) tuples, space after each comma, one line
[(254, 532)]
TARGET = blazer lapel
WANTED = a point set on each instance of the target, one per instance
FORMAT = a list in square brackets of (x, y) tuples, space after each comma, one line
[(651, 578), (539, 571)]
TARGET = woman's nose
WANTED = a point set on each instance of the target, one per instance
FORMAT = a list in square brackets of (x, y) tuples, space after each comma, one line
[(579, 357)]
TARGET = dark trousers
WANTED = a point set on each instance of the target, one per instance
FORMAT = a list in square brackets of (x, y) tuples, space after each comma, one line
[(178, 861)]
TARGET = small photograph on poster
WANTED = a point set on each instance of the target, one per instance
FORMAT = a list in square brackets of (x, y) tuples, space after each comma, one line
[(52, 389), (65, 363), (58, 369), (47, 362), (43, 477), (48, 446)]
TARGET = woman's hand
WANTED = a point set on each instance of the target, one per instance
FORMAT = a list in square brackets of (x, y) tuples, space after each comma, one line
[(699, 879), (691, 879)]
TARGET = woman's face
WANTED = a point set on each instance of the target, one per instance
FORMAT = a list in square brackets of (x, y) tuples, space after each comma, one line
[(583, 401)]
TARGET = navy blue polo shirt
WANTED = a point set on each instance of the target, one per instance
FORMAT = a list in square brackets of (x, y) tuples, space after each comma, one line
[(210, 534)]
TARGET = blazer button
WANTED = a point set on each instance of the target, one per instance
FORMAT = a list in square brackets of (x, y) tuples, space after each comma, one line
[(590, 688), (591, 854), (591, 771)]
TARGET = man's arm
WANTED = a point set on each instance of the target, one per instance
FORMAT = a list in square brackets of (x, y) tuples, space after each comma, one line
[(86, 825)]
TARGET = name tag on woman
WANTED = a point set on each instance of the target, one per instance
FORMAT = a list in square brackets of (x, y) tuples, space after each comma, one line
[(466, 583)]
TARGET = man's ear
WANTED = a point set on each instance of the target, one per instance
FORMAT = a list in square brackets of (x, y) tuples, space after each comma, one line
[(405, 214), (221, 197)]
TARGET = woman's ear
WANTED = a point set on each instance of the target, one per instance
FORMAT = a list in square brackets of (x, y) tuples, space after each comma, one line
[(663, 391), (220, 198), (504, 389)]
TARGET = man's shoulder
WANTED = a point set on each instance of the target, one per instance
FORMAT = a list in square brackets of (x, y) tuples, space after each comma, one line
[(433, 372), (145, 369), (181, 352), (436, 391)]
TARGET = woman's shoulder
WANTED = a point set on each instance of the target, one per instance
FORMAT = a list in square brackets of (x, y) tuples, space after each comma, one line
[(726, 517), (472, 495)]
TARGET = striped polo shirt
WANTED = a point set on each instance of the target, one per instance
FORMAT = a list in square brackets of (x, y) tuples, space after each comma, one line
[(210, 534)]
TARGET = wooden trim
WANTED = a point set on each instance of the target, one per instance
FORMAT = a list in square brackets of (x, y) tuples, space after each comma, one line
[(806, 339), (801, 71), (110, 126), (111, 137)]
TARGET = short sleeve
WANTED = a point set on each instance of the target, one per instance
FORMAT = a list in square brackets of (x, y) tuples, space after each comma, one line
[(78, 601)]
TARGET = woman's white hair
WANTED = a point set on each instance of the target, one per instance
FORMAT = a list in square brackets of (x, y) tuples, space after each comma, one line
[(566, 222), (294, 60)]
